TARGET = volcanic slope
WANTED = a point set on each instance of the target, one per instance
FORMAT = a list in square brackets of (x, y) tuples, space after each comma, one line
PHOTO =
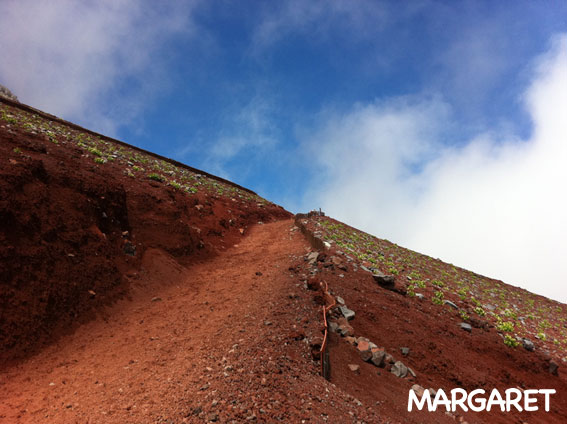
[(136, 289)]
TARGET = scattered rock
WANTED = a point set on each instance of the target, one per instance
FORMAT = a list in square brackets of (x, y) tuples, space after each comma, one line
[(451, 304), (156, 299), (353, 367), (386, 281), (351, 340), (129, 249), (528, 345), (405, 351), (340, 300), (333, 327), (327, 245), (420, 296), (213, 417), (553, 367), (258, 273), (347, 313), (399, 370), (345, 329), (465, 326), (378, 358), (419, 391), (312, 257)]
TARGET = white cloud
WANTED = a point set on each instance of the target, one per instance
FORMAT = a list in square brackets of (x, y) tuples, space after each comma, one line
[(496, 205), (72, 58)]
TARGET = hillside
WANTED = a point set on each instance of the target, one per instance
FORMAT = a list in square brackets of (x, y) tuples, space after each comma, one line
[(138, 289)]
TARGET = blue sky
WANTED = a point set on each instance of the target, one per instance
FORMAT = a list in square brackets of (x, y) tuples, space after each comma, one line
[(434, 124)]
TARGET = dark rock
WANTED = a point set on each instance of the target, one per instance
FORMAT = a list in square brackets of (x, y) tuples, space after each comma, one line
[(378, 358), (528, 345), (465, 326), (386, 281), (399, 370), (129, 249), (258, 273), (553, 367)]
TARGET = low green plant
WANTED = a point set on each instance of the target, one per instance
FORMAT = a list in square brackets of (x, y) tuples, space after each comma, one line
[(155, 177), (463, 314), (17, 150), (479, 311), (541, 335), (94, 151), (510, 341), (99, 160), (505, 326), (175, 185), (438, 297)]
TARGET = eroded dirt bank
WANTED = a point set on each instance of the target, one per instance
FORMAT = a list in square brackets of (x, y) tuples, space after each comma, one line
[(227, 339)]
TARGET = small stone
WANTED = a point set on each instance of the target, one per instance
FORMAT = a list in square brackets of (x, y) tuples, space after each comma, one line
[(213, 417), (399, 369), (340, 300), (451, 304), (418, 390), (156, 299), (333, 327), (553, 367), (347, 313), (420, 296), (351, 340), (405, 351), (465, 326), (528, 345), (353, 367)]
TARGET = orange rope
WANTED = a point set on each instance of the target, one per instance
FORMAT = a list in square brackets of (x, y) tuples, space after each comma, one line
[(325, 310)]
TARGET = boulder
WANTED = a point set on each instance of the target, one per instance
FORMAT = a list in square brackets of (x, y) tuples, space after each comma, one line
[(312, 257), (399, 370)]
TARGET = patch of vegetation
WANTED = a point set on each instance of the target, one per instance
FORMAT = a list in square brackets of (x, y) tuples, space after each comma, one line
[(155, 177), (479, 311), (510, 341), (99, 160), (438, 297), (505, 326)]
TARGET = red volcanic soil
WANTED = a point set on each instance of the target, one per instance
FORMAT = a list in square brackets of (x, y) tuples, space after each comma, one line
[(217, 314)]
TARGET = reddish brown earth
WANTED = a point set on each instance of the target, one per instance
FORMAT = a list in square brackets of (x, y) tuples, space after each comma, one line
[(215, 318)]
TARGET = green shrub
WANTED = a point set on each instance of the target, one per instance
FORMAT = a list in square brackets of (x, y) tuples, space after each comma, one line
[(479, 311), (510, 341), (155, 177), (505, 326), (99, 160), (438, 298)]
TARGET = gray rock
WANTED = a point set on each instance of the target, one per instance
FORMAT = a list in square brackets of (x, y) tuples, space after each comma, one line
[(312, 257), (399, 370), (347, 313), (378, 358), (420, 296), (465, 326), (405, 351), (451, 304), (362, 267), (528, 345), (366, 355), (333, 327), (412, 372), (386, 281), (340, 300)]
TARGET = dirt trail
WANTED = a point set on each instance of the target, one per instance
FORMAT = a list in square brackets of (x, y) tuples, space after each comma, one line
[(217, 341)]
